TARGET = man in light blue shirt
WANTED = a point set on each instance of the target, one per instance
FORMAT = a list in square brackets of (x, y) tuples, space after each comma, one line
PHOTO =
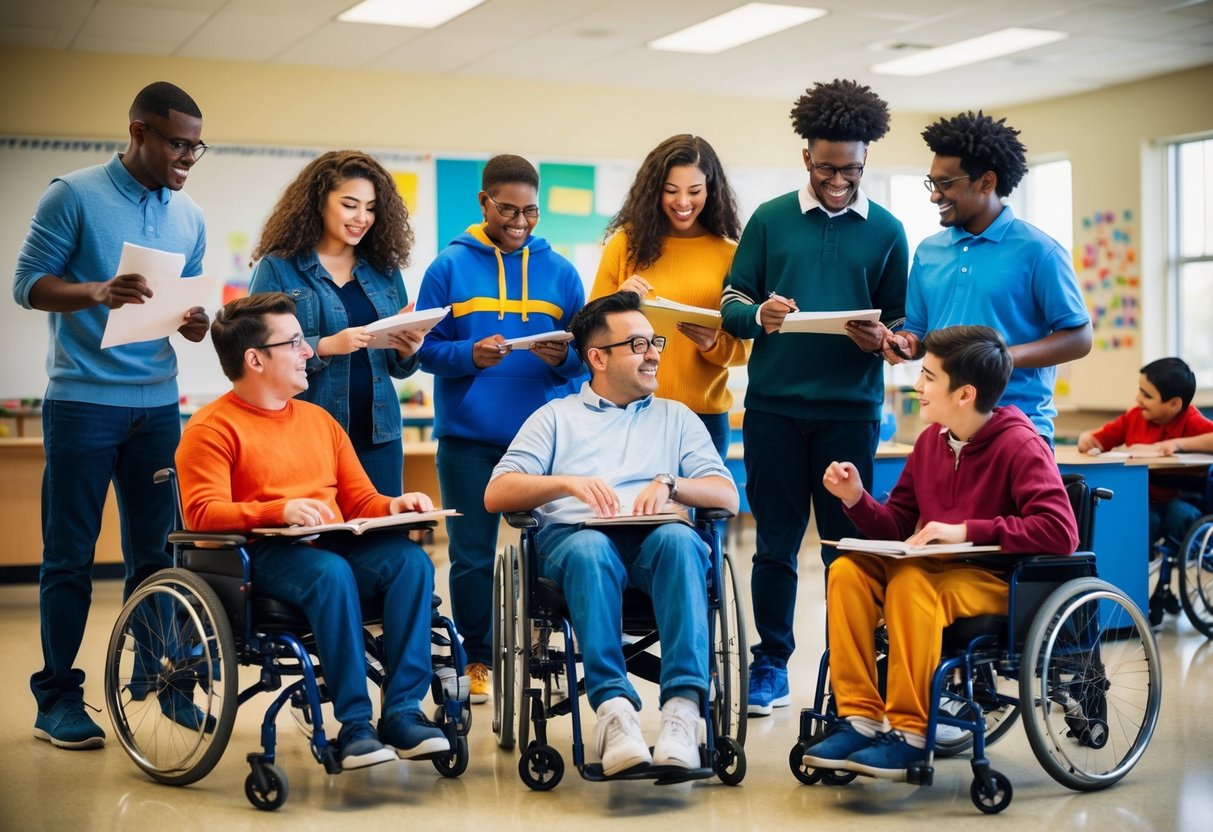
[(108, 414), (987, 267), (613, 449)]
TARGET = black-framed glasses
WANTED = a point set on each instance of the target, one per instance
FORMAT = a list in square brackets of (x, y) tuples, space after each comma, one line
[(508, 212), (180, 147), (851, 173), (639, 344), (295, 344), (941, 185)]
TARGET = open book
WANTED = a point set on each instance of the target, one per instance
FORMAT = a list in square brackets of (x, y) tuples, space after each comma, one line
[(421, 319), (667, 313), (526, 342), (901, 549), (361, 524), (659, 519), (826, 323)]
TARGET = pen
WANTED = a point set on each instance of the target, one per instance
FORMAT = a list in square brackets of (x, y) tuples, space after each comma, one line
[(788, 302)]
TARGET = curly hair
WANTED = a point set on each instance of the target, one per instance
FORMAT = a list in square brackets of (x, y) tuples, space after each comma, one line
[(982, 144), (841, 111), (296, 224), (641, 216)]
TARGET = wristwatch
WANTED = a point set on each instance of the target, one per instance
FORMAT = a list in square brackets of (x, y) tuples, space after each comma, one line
[(669, 482)]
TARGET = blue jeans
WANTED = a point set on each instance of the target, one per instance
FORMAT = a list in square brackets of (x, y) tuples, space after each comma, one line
[(326, 580), (384, 464), (668, 563), (785, 460), (464, 469), (87, 447), (1172, 519)]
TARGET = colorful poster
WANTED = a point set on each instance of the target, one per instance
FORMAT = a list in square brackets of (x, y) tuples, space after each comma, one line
[(1107, 263)]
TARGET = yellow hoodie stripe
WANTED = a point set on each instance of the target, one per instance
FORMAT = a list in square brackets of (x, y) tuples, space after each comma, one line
[(502, 306)]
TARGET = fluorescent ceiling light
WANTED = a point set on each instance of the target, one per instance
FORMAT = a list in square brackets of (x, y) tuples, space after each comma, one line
[(742, 25), (419, 14), (974, 50)]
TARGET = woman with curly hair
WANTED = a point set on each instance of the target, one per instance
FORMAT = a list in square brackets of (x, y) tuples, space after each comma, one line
[(811, 398), (1024, 283), (335, 243), (674, 237)]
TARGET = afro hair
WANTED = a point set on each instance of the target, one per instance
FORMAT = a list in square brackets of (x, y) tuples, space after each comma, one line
[(982, 144), (841, 111)]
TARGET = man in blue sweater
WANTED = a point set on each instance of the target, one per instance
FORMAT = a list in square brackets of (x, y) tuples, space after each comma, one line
[(811, 398), (112, 414)]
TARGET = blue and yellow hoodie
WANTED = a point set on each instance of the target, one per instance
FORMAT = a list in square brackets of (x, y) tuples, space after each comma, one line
[(492, 292)]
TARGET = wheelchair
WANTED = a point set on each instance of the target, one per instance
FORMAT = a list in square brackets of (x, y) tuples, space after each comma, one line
[(171, 669), (1074, 656), (535, 677), (1191, 560)]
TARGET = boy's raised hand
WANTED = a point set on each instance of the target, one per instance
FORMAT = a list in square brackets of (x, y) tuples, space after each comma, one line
[(842, 480)]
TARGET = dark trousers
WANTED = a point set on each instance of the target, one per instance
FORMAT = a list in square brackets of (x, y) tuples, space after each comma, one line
[(785, 460)]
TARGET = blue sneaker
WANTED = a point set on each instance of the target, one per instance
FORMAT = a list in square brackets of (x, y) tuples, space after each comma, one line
[(888, 757), (839, 743), (413, 736), (66, 725), (179, 706), (768, 689), (358, 746)]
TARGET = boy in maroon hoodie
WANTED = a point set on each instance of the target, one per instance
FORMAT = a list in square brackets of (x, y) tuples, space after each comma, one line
[(980, 473)]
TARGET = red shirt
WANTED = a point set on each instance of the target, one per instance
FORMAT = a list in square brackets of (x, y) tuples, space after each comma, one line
[(1130, 428)]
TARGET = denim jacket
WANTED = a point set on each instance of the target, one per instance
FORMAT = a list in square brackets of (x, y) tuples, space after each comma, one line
[(321, 313)]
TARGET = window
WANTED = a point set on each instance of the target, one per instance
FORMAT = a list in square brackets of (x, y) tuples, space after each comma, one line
[(1044, 198), (1191, 254)]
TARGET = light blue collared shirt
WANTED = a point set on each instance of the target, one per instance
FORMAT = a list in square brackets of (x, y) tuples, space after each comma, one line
[(1012, 277), (585, 435)]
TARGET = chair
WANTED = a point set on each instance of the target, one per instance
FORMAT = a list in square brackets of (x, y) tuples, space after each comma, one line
[(171, 671), (535, 678), (1074, 656), (1190, 559)]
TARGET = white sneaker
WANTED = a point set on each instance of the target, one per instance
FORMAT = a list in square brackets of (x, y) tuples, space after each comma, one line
[(950, 733), (678, 743), (618, 737)]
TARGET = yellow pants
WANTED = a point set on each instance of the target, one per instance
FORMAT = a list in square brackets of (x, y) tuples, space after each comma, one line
[(917, 597)]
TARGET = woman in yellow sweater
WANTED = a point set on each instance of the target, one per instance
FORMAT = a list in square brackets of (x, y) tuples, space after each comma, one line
[(674, 238)]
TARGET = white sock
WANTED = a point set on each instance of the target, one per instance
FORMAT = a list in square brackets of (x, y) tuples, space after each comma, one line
[(914, 740), (866, 727)]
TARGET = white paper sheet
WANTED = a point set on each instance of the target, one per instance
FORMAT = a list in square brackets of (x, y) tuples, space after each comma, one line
[(827, 323), (525, 342), (172, 296), (420, 319)]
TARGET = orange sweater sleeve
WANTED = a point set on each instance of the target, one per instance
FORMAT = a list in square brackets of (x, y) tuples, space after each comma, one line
[(239, 465)]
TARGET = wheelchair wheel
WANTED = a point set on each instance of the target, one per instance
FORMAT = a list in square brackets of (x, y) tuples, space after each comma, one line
[(991, 800), (1091, 705), (731, 685), (996, 695), (504, 606), (729, 763), (1196, 575), (266, 786), (455, 763), (541, 767), (170, 677)]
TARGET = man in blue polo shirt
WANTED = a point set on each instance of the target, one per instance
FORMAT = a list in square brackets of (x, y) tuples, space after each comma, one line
[(987, 267), (108, 414), (611, 449)]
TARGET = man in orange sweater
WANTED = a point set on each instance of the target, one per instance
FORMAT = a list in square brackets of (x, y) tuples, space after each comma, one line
[(258, 457)]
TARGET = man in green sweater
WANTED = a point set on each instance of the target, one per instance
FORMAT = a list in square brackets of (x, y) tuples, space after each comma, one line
[(811, 398)]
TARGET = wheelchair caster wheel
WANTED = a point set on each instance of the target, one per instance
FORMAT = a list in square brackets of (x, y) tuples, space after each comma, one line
[(991, 802), (455, 763), (1095, 734), (838, 778), (266, 787), (541, 767), (729, 764), (808, 776)]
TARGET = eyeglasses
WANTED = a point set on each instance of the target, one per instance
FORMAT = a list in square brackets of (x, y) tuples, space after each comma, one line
[(851, 173), (639, 344), (943, 184), (179, 147), (508, 212), (295, 343)]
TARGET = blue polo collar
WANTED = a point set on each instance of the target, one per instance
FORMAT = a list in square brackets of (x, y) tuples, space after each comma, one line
[(132, 188), (994, 232)]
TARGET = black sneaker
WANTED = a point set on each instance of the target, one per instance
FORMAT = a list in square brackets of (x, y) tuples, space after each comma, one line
[(358, 746)]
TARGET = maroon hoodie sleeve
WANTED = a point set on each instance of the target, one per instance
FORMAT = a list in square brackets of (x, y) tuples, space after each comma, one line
[(897, 518), (1045, 523)]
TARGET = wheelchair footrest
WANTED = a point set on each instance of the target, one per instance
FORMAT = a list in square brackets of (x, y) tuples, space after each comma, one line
[(920, 774), (660, 775)]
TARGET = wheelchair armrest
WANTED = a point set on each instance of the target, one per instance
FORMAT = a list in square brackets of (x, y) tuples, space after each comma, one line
[(208, 539), (1101, 493), (521, 519), (163, 475), (712, 514)]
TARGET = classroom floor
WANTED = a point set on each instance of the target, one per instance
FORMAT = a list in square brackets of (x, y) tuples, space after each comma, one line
[(44, 788)]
